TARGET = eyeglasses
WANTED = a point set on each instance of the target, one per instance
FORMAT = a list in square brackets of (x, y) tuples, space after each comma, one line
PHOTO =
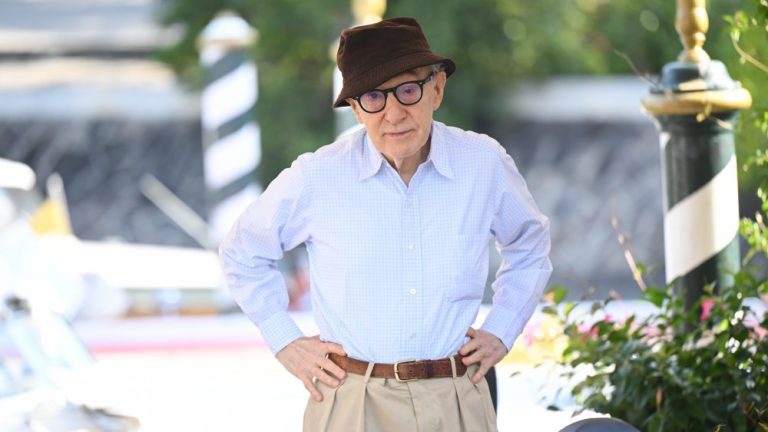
[(407, 93)]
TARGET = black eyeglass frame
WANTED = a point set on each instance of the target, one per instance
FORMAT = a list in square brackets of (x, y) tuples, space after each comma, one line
[(393, 90)]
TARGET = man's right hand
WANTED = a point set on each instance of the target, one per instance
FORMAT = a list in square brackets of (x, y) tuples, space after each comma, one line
[(306, 358)]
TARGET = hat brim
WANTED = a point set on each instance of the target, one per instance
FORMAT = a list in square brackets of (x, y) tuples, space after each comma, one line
[(383, 72)]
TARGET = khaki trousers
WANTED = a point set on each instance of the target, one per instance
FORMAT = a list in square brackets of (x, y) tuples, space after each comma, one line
[(365, 404)]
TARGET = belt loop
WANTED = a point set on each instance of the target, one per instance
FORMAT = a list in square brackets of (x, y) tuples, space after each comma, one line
[(453, 366), (368, 372)]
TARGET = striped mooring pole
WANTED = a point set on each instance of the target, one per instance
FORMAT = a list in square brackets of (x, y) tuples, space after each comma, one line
[(696, 104), (365, 12), (231, 136)]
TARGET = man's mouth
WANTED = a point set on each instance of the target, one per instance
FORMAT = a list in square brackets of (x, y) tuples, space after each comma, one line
[(398, 134)]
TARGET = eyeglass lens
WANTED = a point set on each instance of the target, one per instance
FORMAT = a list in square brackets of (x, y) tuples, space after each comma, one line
[(407, 93)]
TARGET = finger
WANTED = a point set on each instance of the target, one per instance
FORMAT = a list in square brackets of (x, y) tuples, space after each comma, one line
[(467, 348), (335, 348), (470, 347), (471, 332), (480, 374), (328, 365), (474, 357), (325, 378), (313, 391)]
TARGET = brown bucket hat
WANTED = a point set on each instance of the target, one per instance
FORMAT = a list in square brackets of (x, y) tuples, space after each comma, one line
[(371, 54)]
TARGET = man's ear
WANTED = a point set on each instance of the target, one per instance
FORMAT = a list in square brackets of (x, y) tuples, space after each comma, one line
[(440, 81), (355, 109)]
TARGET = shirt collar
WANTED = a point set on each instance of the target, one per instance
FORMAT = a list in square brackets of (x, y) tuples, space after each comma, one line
[(438, 152), (371, 158), (438, 155)]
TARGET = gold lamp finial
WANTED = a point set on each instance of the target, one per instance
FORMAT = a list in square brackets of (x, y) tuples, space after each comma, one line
[(692, 24), (368, 11)]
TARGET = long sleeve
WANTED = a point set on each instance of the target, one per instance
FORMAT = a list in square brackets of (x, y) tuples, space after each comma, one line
[(522, 237), (276, 222), (396, 272)]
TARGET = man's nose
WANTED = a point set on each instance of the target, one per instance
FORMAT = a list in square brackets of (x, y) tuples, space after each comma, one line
[(393, 110)]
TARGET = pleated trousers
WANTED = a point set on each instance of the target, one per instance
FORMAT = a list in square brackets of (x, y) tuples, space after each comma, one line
[(367, 404)]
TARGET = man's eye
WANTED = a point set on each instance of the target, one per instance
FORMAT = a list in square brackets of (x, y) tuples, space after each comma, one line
[(372, 96), (408, 90)]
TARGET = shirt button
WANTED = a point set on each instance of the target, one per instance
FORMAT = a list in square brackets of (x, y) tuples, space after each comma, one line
[(411, 247), (412, 291)]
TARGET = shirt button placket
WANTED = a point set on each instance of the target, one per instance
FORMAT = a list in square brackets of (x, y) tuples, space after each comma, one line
[(412, 265)]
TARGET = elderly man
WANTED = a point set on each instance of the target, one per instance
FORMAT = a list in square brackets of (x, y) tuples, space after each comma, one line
[(396, 219)]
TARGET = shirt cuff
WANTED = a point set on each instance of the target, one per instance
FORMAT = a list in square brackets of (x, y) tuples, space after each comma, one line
[(501, 323), (279, 330)]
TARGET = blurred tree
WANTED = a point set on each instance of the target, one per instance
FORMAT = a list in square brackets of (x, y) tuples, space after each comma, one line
[(749, 64), (295, 68), (494, 43)]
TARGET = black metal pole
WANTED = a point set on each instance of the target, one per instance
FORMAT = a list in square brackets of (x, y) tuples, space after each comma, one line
[(696, 104)]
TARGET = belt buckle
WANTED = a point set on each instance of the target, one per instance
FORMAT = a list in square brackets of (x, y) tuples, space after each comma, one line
[(397, 374)]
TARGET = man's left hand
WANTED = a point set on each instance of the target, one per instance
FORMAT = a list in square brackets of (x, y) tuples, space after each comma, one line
[(483, 348)]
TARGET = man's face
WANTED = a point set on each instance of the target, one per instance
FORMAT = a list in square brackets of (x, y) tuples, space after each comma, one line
[(400, 131)]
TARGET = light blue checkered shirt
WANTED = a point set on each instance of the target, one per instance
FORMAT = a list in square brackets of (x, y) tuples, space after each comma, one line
[(397, 272)]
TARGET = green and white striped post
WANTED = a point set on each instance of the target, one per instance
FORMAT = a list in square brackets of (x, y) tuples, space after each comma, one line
[(231, 137), (696, 104)]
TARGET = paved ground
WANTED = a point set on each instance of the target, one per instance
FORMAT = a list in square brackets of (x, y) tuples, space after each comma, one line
[(247, 390), (204, 390), (216, 374)]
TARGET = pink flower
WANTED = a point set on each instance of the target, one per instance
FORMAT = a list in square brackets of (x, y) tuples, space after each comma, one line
[(529, 333), (650, 331), (752, 322), (706, 308)]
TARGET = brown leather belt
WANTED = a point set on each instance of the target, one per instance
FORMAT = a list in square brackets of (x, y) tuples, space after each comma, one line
[(409, 370)]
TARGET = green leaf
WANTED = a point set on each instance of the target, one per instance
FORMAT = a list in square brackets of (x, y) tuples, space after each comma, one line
[(656, 296), (556, 293), (721, 327), (568, 308), (654, 423), (549, 310)]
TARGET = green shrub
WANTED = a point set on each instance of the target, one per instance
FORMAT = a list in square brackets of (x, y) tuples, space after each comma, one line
[(677, 369)]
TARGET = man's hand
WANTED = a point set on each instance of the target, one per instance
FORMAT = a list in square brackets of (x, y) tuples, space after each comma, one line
[(306, 358), (483, 348)]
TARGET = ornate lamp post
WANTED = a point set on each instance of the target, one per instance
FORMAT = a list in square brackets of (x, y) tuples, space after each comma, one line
[(696, 104)]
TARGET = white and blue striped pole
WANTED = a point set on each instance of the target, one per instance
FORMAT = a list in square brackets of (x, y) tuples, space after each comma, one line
[(365, 12), (696, 105), (344, 117), (231, 136)]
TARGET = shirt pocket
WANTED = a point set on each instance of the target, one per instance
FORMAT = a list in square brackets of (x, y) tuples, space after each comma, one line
[(459, 264)]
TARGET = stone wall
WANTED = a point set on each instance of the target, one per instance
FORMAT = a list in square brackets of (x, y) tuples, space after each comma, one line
[(102, 162), (577, 161), (576, 172)]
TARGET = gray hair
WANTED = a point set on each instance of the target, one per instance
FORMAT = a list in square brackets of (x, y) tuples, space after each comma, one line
[(437, 67)]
